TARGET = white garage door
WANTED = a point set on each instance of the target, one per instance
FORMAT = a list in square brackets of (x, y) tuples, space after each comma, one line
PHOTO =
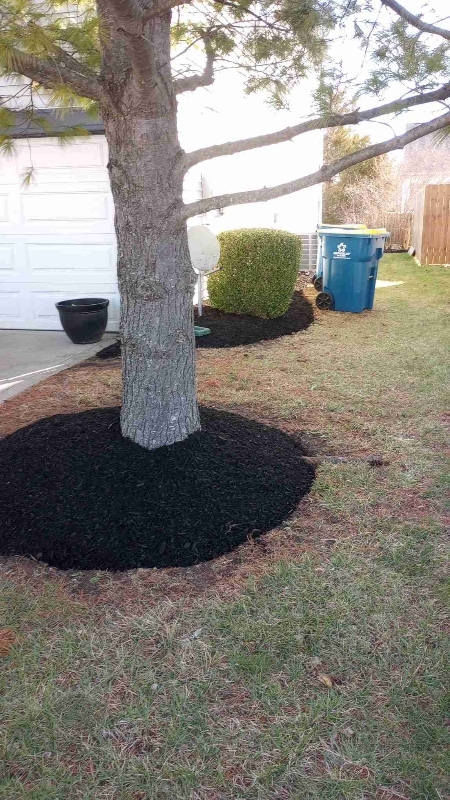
[(57, 234)]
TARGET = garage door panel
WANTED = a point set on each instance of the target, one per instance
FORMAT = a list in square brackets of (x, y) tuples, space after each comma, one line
[(32, 306), (80, 178), (46, 316), (74, 207), (10, 307), (69, 263), (50, 155), (57, 237), (61, 184), (8, 171), (10, 210), (7, 262), (4, 208)]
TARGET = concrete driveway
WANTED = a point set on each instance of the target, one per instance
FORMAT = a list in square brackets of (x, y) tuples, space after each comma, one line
[(28, 357)]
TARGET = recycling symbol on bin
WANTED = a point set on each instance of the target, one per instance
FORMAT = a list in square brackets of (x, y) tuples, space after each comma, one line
[(341, 251)]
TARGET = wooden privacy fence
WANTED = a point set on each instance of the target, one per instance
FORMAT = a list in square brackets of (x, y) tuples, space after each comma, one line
[(399, 226), (431, 224)]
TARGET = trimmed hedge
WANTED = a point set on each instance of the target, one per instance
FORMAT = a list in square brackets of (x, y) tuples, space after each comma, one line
[(258, 270)]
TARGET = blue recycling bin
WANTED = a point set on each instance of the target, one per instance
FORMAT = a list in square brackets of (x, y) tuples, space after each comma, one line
[(321, 229), (349, 268)]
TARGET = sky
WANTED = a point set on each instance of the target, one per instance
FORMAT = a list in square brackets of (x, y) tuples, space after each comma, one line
[(433, 12), (223, 112)]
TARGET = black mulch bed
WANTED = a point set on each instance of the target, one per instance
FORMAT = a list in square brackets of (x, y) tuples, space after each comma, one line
[(232, 330), (112, 351), (76, 495)]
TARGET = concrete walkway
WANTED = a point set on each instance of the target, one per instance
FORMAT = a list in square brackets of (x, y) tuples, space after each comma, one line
[(28, 357)]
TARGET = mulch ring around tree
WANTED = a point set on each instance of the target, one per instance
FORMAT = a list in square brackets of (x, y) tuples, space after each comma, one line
[(233, 330), (77, 495)]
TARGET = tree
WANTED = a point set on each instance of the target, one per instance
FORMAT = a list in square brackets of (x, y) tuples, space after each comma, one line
[(362, 193), (116, 56)]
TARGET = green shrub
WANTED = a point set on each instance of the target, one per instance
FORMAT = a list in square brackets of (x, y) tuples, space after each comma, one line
[(258, 270)]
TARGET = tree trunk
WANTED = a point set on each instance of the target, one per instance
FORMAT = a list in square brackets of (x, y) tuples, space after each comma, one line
[(156, 280)]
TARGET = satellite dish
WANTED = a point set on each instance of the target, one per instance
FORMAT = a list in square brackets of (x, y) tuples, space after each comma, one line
[(204, 248)]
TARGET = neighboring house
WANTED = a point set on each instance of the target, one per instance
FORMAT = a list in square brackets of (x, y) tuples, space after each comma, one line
[(57, 235), (425, 161), (299, 212)]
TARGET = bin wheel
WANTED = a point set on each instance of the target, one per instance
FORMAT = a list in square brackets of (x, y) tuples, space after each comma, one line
[(318, 284), (324, 301)]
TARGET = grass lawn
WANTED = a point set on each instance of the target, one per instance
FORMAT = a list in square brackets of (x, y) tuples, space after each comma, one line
[(312, 665)]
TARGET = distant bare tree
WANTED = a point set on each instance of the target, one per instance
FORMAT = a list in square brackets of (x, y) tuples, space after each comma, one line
[(363, 193)]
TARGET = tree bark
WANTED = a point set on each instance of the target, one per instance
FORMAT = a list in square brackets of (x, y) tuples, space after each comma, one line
[(155, 276)]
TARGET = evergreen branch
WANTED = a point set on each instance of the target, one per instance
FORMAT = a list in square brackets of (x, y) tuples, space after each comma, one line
[(415, 21), (206, 78), (267, 23), (162, 7), (318, 123), (325, 173), (51, 72)]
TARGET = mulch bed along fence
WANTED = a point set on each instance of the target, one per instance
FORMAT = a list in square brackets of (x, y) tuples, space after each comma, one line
[(76, 495), (232, 330)]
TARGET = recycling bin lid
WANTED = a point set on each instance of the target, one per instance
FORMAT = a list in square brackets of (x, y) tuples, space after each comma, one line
[(362, 233), (350, 226)]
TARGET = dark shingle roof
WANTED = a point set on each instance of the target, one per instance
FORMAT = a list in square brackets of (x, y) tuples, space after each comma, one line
[(55, 121)]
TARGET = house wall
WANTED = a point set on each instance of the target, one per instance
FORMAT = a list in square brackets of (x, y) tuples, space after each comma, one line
[(57, 237), (299, 212), (226, 112)]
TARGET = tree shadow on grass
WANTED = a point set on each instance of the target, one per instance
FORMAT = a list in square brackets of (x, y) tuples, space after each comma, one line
[(77, 495)]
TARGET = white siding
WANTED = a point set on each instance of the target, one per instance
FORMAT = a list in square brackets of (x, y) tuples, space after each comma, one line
[(57, 236)]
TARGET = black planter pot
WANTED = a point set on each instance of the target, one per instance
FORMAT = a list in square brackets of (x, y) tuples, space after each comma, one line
[(85, 319)]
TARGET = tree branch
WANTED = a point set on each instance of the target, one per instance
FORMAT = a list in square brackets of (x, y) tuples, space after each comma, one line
[(416, 22), (318, 123), (126, 10), (126, 19), (130, 19), (325, 173), (162, 6), (70, 62), (267, 23), (49, 73), (206, 78)]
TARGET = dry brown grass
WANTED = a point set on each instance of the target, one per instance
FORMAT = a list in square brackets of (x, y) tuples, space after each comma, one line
[(213, 682)]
